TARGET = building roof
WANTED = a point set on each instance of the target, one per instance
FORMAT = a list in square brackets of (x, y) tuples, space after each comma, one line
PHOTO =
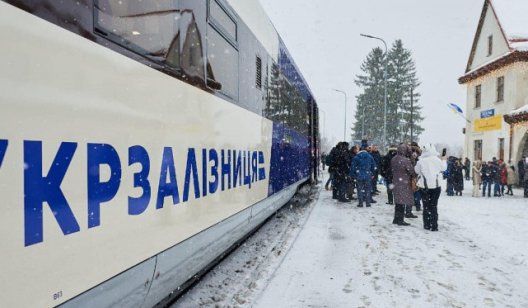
[(512, 16), (517, 116)]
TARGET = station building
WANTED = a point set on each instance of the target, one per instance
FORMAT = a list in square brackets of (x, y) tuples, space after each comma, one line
[(496, 78)]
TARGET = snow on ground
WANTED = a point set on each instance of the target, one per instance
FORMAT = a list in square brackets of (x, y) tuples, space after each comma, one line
[(344, 256), (241, 276)]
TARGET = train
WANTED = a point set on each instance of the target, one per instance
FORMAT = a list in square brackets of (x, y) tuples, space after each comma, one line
[(139, 142)]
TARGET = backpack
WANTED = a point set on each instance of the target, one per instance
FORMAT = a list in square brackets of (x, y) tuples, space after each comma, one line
[(328, 160)]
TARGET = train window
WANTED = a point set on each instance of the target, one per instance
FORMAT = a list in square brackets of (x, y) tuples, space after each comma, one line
[(223, 59), (222, 52), (219, 17), (147, 27), (258, 77), (159, 30), (285, 103)]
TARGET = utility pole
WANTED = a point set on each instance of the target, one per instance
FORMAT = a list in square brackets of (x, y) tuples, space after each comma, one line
[(344, 130), (411, 114)]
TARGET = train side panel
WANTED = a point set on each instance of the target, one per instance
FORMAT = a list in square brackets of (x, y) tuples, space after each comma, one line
[(105, 169)]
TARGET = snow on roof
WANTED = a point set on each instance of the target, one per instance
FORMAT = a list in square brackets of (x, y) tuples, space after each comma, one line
[(520, 46), (513, 17), (523, 109)]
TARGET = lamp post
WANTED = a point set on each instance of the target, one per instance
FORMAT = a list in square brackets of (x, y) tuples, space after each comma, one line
[(385, 90), (344, 132), (412, 107), (363, 122)]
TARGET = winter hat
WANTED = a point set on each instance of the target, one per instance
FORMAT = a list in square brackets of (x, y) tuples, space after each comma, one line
[(364, 144), (430, 149)]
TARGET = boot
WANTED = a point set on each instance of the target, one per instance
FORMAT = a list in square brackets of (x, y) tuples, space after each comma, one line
[(398, 215), (396, 219), (410, 215)]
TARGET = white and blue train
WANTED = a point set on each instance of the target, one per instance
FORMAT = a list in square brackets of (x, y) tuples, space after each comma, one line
[(139, 141)]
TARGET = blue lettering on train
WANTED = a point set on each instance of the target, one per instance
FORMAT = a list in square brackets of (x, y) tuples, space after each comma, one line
[(138, 155), (213, 157), (39, 189), (100, 192), (220, 170), (170, 188), (3, 150), (191, 170)]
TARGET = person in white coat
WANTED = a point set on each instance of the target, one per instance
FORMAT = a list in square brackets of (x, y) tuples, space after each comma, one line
[(428, 170)]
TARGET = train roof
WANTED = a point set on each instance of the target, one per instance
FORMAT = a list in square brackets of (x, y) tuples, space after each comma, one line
[(257, 20)]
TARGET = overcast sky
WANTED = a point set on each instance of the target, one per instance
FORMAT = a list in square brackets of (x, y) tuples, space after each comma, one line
[(323, 38)]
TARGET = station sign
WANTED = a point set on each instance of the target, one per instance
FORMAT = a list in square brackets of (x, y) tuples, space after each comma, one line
[(488, 124), (487, 113)]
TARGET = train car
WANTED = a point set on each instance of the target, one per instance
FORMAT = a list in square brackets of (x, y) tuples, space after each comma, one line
[(139, 141)]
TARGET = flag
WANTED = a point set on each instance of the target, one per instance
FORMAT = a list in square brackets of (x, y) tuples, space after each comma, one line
[(458, 110), (455, 108)]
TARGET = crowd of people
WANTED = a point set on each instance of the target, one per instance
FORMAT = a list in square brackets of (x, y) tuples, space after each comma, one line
[(499, 175), (411, 175)]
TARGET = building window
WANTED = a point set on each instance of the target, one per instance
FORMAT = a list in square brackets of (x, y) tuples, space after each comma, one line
[(500, 89), (477, 150), (478, 91), (490, 45), (258, 77), (501, 149)]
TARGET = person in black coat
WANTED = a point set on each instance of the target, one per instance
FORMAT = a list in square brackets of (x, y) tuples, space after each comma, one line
[(495, 177), (450, 175), (351, 183), (374, 152), (341, 170), (386, 172), (487, 179), (520, 167), (330, 162), (467, 168), (458, 178)]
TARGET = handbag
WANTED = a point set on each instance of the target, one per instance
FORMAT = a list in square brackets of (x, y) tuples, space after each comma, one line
[(414, 187)]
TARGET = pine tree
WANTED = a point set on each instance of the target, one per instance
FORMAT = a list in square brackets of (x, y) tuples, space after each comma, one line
[(371, 102), (401, 89), (401, 83)]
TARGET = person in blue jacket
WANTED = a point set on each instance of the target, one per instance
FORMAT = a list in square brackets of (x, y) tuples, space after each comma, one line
[(363, 170)]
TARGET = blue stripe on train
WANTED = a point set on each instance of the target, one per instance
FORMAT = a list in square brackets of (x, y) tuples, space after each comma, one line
[(290, 158), (3, 150), (289, 69)]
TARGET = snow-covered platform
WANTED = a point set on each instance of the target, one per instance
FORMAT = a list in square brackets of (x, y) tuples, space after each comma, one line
[(347, 256)]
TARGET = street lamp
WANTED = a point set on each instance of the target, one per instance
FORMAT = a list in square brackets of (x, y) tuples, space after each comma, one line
[(412, 110), (385, 91), (363, 122), (344, 132)]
